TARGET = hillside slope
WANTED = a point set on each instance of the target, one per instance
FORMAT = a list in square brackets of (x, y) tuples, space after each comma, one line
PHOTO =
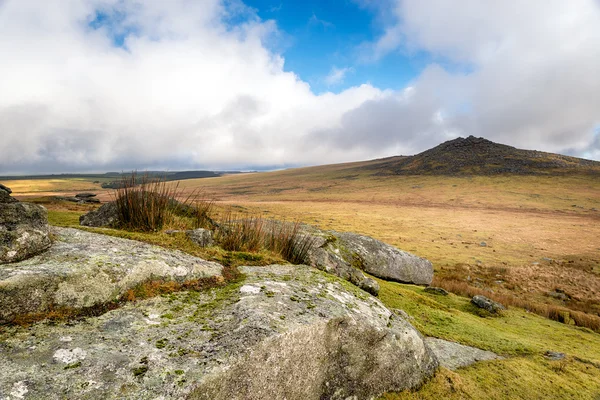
[(479, 156)]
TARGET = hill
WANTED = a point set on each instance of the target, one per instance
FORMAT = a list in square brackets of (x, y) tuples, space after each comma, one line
[(479, 156)]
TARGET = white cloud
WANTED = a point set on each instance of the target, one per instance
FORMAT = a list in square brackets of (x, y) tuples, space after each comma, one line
[(186, 91), (337, 75), (521, 72), (190, 89)]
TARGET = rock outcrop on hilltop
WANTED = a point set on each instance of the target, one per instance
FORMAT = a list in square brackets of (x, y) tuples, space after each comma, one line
[(479, 156), (24, 228), (284, 332)]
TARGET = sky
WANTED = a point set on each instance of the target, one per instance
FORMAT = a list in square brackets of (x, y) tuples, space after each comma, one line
[(116, 85)]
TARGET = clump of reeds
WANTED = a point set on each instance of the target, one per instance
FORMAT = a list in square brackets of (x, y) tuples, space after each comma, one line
[(146, 203), (288, 240), (142, 203), (237, 232)]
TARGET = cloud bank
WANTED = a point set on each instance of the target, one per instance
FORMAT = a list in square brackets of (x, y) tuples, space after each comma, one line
[(121, 84)]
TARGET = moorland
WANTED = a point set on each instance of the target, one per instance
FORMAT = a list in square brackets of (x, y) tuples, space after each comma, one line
[(526, 236)]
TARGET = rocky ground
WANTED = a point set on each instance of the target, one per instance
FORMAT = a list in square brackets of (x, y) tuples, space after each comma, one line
[(277, 331)]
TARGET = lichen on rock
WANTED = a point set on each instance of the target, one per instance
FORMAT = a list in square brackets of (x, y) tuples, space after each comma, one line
[(84, 269), (284, 332), (24, 229)]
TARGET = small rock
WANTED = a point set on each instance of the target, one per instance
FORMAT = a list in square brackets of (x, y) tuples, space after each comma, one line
[(105, 216), (6, 189), (370, 286), (487, 304), (201, 237), (559, 294), (554, 355), (453, 355), (24, 230), (85, 195), (436, 290), (483, 244)]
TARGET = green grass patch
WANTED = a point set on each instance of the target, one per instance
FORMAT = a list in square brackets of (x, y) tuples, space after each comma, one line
[(521, 336), (64, 218)]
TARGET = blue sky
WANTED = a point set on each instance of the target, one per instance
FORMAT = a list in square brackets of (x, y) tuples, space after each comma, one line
[(322, 35)]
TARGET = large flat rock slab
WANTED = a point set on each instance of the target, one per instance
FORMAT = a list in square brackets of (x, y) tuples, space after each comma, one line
[(84, 269), (348, 255), (453, 355), (285, 332)]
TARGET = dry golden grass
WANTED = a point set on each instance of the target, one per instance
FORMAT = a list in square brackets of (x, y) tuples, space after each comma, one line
[(541, 233)]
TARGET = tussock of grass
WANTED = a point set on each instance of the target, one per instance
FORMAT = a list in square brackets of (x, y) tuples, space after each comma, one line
[(146, 204), (142, 204), (290, 242), (239, 232)]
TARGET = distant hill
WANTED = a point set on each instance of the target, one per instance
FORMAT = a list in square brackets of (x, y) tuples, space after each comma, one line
[(114, 179), (479, 156)]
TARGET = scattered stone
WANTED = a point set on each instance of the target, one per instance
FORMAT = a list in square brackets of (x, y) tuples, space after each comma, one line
[(85, 195), (554, 355), (104, 216), (80, 200), (250, 344), (487, 304), (559, 294), (370, 286), (24, 229), (436, 290), (174, 231), (5, 195), (201, 237), (5, 188), (453, 355), (483, 244), (84, 269)]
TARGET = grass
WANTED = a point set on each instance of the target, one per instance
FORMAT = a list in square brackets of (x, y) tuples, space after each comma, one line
[(540, 233), (143, 204), (551, 311), (238, 232), (242, 232), (517, 334)]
